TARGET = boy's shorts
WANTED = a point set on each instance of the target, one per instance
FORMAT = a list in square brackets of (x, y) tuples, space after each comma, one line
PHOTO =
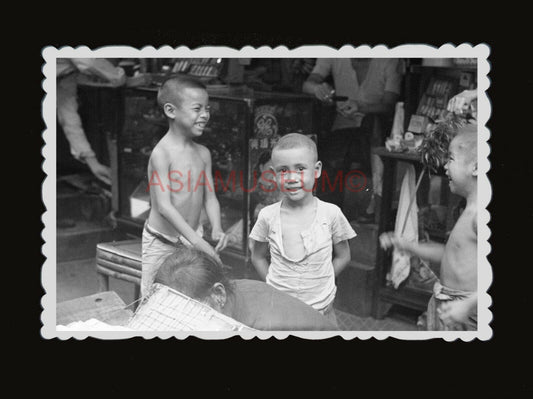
[(156, 247), (443, 294)]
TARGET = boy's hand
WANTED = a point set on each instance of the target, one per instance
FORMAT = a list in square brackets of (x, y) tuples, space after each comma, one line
[(454, 312), (204, 246), (391, 239), (222, 238)]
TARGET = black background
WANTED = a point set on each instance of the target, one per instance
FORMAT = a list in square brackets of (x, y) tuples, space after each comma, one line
[(372, 367)]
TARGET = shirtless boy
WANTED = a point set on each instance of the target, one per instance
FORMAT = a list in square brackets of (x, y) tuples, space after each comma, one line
[(453, 305), (180, 180)]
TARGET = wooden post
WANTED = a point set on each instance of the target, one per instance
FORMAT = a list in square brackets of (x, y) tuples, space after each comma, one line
[(103, 282)]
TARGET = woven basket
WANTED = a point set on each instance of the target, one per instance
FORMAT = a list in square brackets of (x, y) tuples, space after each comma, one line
[(165, 309)]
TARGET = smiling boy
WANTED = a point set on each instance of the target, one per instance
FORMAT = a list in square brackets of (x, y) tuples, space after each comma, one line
[(307, 238), (180, 180), (453, 305)]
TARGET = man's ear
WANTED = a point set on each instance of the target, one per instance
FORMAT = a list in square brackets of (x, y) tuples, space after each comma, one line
[(169, 110), (318, 169), (474, 170), (218, 294)]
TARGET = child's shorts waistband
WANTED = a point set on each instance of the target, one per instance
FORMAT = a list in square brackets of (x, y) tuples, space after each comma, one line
[(176, 241)]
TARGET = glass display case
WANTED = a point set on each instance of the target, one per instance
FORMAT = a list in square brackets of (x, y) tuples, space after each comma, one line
[(242, 129)]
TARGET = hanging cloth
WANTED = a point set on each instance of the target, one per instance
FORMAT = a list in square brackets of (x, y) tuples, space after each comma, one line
[(401, 261)]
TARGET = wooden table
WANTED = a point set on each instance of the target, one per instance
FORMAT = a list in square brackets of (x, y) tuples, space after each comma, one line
[(107, 307)]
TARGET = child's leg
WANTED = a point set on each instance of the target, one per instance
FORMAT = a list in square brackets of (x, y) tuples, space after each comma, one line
[(154, 252)]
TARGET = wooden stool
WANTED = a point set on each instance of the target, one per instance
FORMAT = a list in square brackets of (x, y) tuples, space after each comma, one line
[(121, 260)]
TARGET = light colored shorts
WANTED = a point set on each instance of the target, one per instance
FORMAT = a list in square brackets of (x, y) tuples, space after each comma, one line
[(156, 247)]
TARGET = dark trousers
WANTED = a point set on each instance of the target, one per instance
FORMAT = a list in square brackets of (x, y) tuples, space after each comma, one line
[(338, 151)]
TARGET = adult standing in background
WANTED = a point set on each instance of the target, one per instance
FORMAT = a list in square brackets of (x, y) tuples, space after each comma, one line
[(68, 74), (372, 87)]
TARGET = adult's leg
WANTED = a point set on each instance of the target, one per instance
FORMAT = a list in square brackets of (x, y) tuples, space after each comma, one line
[(333, 152), (376, 138)]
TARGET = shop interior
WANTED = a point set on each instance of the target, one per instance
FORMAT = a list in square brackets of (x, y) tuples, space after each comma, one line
[(253, 102)]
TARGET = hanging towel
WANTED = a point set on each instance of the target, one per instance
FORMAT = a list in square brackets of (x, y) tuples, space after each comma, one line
[(393, 142), (401, 261), (397, 124)]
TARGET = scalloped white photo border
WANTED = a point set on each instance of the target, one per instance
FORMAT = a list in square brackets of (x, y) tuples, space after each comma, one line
[(49, 234)]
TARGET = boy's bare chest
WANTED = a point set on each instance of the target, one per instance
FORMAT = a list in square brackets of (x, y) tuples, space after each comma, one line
[(292, 226), (464, 230), (189, 166)]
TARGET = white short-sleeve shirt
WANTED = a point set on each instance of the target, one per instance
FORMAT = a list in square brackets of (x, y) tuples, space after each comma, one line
[(312, 278), (384, 74)]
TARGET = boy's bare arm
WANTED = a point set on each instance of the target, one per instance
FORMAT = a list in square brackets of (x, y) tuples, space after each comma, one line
[(161, 195), (212, 206), (259, 257), (430, 251), (341, 256)]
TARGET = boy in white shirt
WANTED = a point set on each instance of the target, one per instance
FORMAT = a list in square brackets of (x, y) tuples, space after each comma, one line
[(307, 237)]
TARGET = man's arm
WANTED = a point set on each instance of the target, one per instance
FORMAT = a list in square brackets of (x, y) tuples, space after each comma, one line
[(460, 102), (350, 108), (431, 251), (102, 68), (341, 256), (316, 86), (212, 206), (259, 251), (160, 194)]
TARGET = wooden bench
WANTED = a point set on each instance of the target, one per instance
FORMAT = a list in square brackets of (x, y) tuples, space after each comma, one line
[(121, 260)]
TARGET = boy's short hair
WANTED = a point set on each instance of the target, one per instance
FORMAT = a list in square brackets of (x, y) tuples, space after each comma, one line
[(296, 140), (466, 141), (171, 89), (192, 272)]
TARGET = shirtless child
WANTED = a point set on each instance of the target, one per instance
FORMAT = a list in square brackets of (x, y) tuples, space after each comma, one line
[(180, 180), (453, 305)]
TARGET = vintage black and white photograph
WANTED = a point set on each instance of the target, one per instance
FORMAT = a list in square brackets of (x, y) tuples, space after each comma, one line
[(259, 192)]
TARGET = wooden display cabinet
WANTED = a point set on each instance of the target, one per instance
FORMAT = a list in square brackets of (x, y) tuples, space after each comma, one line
[(438, 212)]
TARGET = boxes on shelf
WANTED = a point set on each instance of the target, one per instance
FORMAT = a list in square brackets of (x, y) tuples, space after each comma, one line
[(435, 99), (418, 124)]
